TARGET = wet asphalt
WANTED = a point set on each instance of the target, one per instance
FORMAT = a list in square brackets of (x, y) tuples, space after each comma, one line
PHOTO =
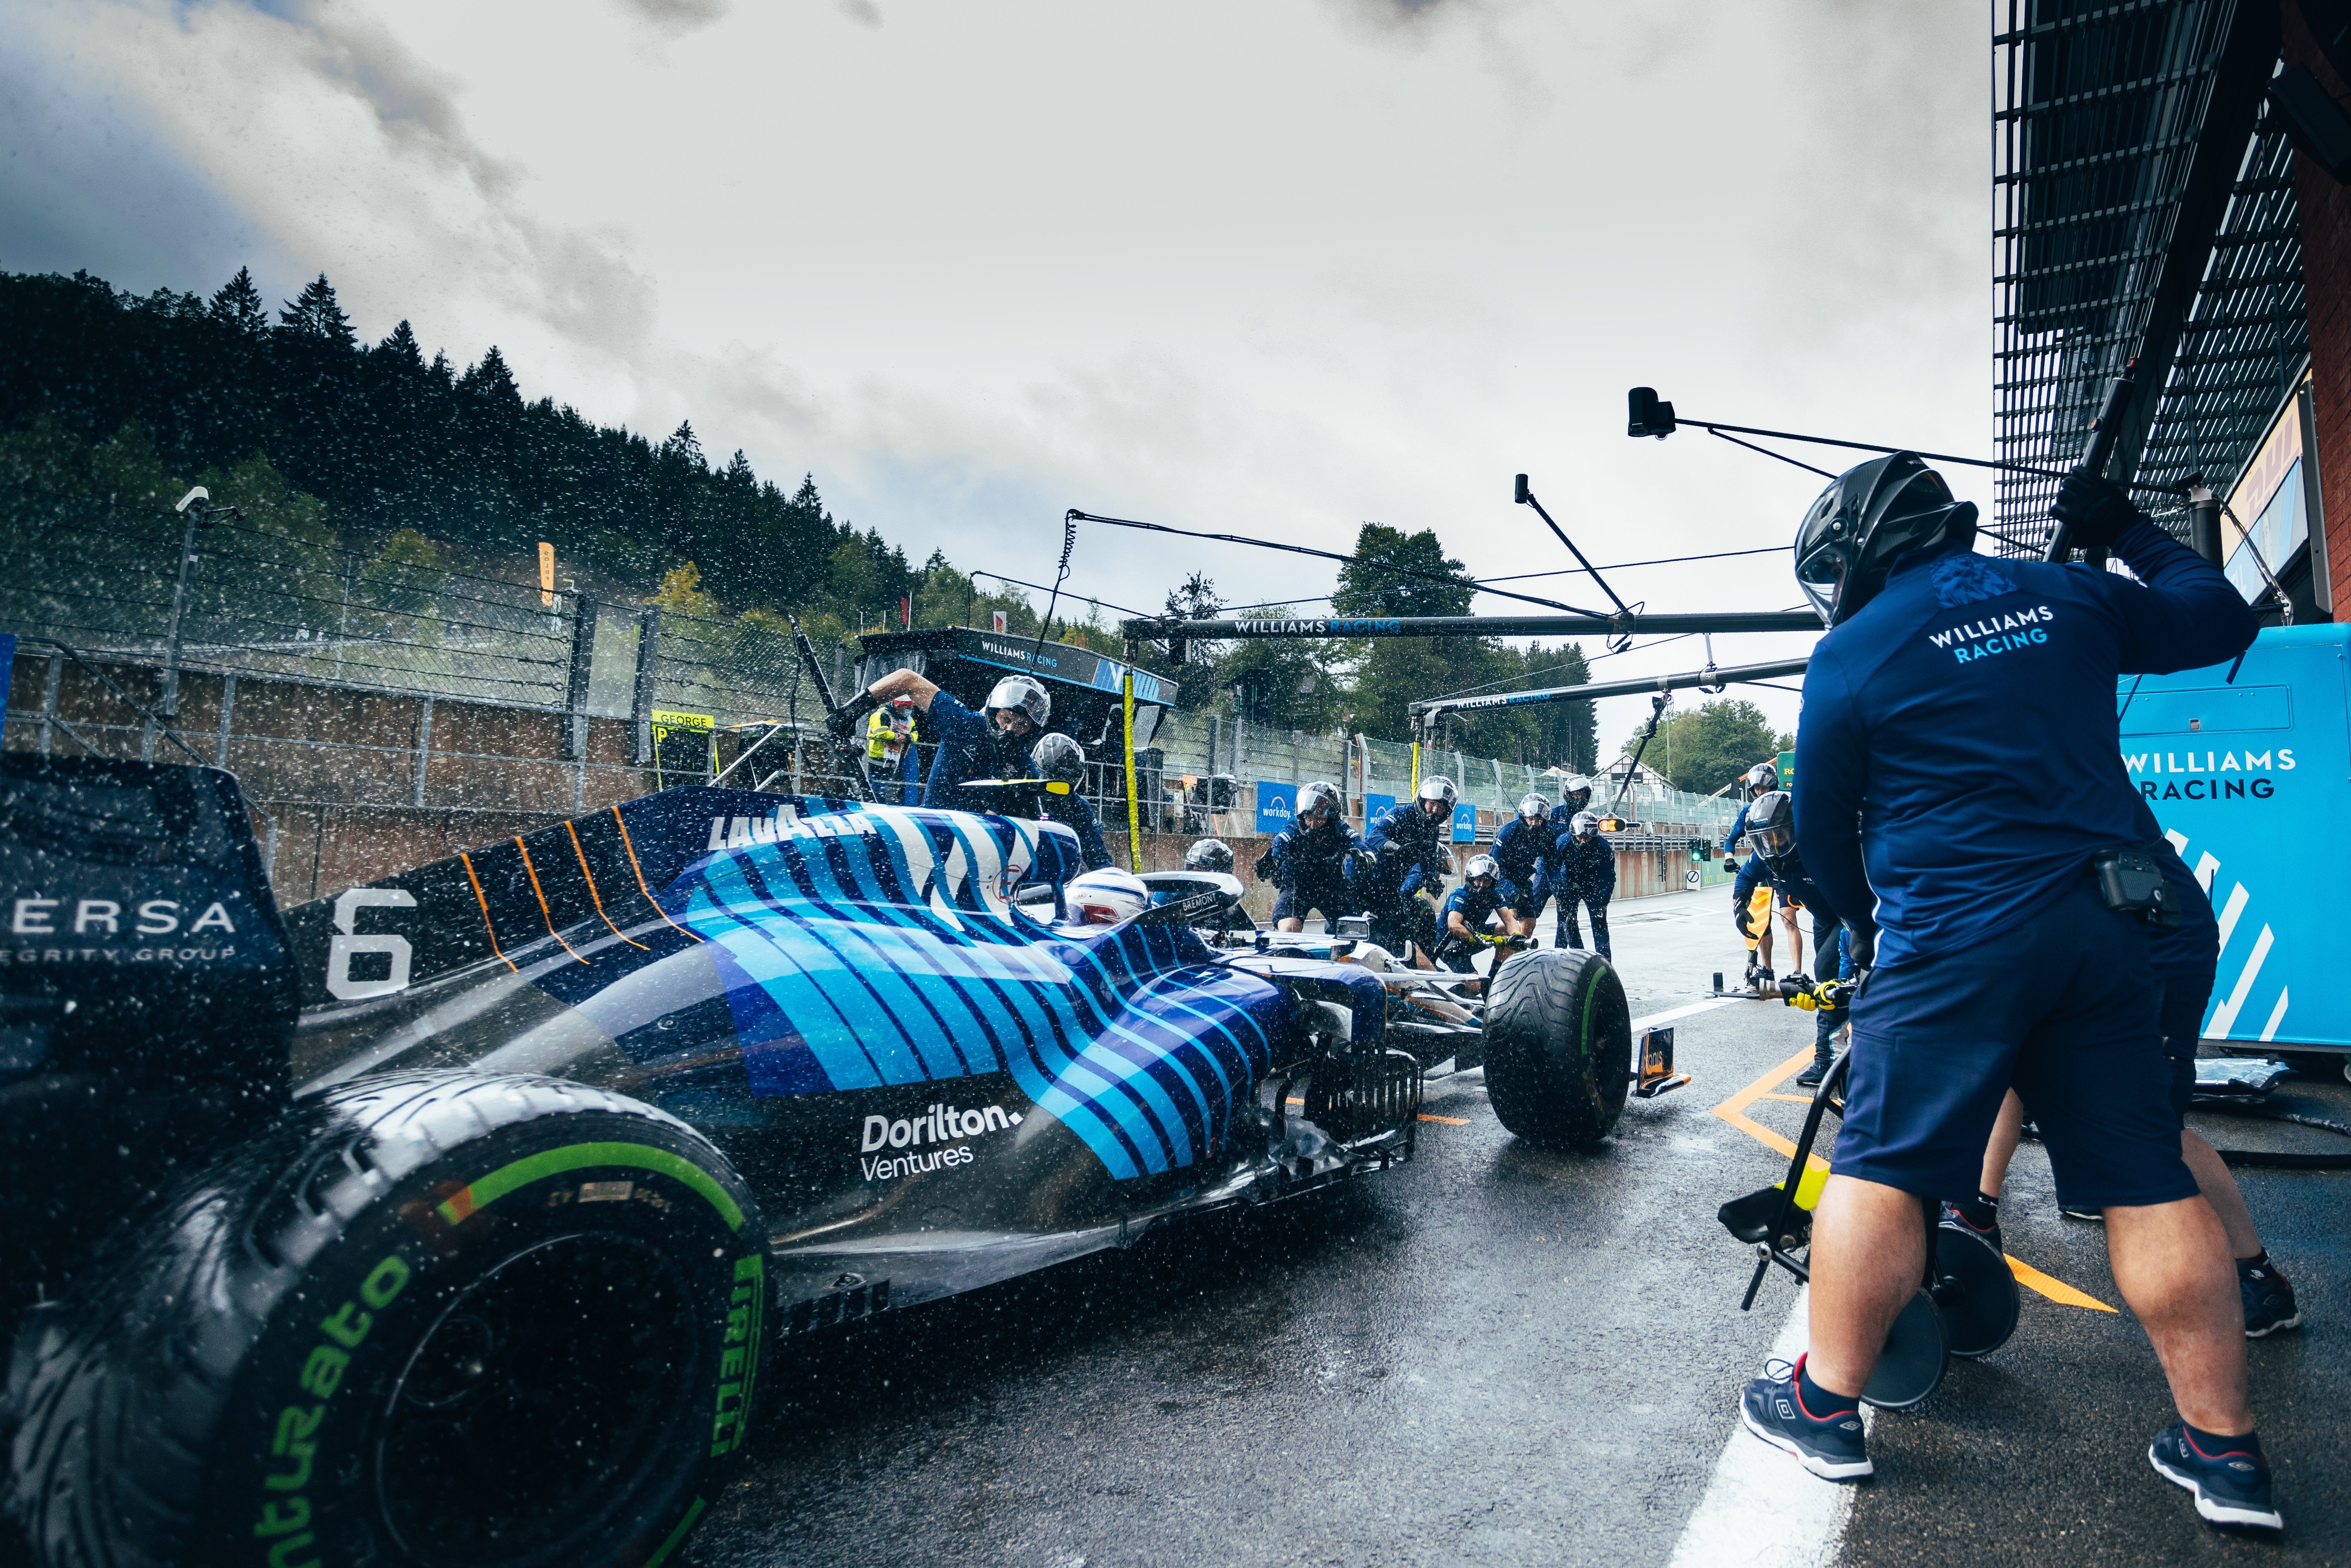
[(1500, 1354)]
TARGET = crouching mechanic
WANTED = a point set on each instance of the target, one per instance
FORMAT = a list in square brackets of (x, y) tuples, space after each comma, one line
[(1059, 759), (1307, 861), (1581, 867), (1771, 829), (991, 744), (1404, 853), (1953, 698), (1519, 846), (1478, 900)]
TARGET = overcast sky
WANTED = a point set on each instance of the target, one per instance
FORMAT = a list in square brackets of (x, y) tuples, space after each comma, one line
[(1272, 266)]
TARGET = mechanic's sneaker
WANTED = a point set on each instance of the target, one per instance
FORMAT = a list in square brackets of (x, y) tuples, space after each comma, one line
[(1774, 1410), (2231, 1487), (1986, 1236), (2270, 1306), (1809, 1078), (2087, 1215)]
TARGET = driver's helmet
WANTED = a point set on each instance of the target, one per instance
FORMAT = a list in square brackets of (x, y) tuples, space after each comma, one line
[(1534, 808), (1585, 824), (1022, 695), (1436, 786), (1760, 780), (1105, 897), (1058, 758), (1772, 825), (1481, 867), (1210, 854), (1319, 796), (1576, 793)]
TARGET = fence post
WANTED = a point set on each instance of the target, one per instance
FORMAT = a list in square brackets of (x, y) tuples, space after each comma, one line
[(228, 712), (640, 703), (583, 660), (49, 700), (424, 748)]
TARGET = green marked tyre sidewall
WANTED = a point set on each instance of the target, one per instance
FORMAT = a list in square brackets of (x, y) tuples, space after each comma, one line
[(402, 1265)]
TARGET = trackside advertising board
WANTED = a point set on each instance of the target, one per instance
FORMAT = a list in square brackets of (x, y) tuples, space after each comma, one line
[(2249, 770), (1276, 804)]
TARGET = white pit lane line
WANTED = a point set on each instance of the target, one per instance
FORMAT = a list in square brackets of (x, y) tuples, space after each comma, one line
[(1654, 1019), (1763, 1509)]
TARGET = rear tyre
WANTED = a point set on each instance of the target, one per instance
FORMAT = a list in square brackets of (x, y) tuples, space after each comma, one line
[(439, 1320), (1559, 1046)]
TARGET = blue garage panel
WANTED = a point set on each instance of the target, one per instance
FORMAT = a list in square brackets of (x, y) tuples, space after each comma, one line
[(1465, 824), (2250, 778)]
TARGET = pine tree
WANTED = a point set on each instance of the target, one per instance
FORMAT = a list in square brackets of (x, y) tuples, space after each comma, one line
[(402, 346), (238, 306), (314, 313)]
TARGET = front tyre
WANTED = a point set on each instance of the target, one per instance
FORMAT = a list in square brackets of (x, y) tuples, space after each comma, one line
[(1559, 1046), (444, 1320)]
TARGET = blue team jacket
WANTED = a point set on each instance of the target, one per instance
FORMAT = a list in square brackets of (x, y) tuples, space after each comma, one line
[(1518, 851), (1405, 840), (1311, 858), (1587, 870), (968, 750), (1958, 759), (1472, 905)]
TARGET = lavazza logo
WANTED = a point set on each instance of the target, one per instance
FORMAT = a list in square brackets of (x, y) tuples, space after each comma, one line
[(938, 1126)]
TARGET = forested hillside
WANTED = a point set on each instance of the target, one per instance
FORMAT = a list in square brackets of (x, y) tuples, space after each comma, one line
[(418, 475)]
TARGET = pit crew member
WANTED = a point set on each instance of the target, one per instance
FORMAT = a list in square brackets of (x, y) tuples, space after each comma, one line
[(991, 744), (1404, 852), (1468, 908), (1059, 759), (1519, 853), (2184, 958), (1772, 830), (1952, 700), (1307, 861), (1581, 868)]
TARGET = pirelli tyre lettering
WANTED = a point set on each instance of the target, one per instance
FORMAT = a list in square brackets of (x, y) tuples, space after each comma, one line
[(445, 1318)]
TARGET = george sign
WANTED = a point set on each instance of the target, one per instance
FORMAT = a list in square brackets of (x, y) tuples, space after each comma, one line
[(1276, 805), (546, 573), (685, 746), (1465, 823)]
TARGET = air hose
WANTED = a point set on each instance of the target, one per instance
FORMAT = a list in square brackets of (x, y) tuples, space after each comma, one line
[(2268, 1159)]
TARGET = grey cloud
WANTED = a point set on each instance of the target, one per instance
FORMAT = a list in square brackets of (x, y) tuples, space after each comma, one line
[(863, 11), (677, 17)]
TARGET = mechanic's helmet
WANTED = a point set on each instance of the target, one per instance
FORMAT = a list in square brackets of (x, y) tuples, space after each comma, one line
[(1058, 757), (1760, 780), (1210, 854), (1868, 516), (1534, 808), (1436, 786), (1320, 795), (1585, 824), (1576, 792), (1481, 867), (1105, 897), (1018, 694), (1772, 825)]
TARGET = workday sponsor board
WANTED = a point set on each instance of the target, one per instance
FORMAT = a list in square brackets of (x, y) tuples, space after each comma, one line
[(1276, 805), (2248, 769)]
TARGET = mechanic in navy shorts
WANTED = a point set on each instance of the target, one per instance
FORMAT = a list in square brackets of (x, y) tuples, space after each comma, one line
[(1582, 865), (1958, 769), (2184, 958), (1519, 846), (991, 744), (1307, 861)]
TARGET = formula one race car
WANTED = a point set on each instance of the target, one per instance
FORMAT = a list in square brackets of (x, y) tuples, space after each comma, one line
[(446, 1221)]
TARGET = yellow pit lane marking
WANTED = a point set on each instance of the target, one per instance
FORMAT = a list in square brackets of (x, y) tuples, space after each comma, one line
[(1734, 1111)]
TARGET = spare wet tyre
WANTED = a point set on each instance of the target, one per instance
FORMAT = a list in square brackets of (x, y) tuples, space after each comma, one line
[(1559, 1046), (444, 1318)]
